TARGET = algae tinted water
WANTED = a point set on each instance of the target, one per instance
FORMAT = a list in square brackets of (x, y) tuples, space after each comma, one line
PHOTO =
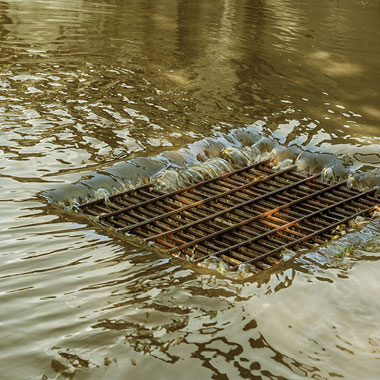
[(97, 91)]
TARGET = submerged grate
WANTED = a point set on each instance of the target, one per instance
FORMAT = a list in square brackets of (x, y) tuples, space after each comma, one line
[(246, 216)]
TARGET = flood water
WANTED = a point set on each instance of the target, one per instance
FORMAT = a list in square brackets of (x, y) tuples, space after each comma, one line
[(105, 93)]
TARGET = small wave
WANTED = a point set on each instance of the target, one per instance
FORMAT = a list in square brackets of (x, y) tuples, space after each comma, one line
[(206, 159)]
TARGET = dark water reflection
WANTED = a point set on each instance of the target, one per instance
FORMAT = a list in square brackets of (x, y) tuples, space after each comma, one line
[(88, 85)]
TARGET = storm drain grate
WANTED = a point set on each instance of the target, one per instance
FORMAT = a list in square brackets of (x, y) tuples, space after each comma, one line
[(249, 215)]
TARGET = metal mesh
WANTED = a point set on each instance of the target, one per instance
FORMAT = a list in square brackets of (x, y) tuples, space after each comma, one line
[(249, 215)]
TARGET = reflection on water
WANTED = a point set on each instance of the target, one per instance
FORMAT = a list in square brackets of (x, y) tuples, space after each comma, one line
[(109, 93)]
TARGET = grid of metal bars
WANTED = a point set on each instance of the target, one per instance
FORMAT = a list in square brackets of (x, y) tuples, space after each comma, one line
[(246, 216)]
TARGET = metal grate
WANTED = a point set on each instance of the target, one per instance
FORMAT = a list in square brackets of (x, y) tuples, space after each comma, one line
[(246, 216)]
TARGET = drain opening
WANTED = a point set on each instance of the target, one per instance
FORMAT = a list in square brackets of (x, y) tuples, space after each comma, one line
[(248, 216)]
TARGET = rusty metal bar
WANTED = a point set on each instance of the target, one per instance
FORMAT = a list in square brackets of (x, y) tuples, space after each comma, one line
[(125, 192), (244, 222), (198, 203), (308, 237), (290, 224), (239, 205), (248, 215), (188, 188)]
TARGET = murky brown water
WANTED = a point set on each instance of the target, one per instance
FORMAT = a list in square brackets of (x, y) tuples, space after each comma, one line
[(90, 88)]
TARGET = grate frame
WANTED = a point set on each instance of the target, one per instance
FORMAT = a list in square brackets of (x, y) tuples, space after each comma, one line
[(249, 215)]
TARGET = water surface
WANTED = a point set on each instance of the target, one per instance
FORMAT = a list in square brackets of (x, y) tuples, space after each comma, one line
[(115, 91)]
